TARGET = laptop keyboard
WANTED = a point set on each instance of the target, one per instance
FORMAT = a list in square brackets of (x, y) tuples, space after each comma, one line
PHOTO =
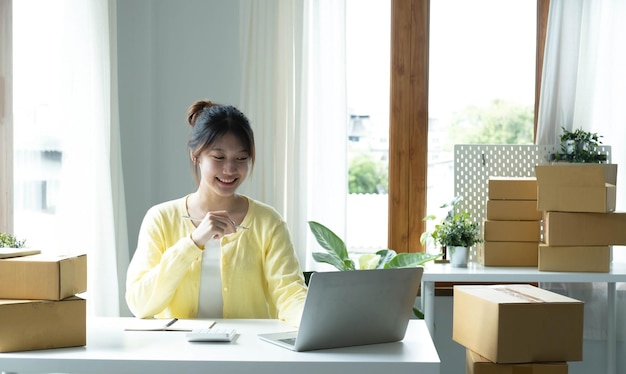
[(290, 341)]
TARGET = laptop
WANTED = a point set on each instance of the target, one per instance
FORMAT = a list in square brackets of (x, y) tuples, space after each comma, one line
[(350, 308)]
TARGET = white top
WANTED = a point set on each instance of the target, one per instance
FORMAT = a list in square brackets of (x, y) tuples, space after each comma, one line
[(210, 302), (479, 273), (110, 349)]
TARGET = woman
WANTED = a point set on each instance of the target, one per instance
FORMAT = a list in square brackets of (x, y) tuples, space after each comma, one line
[(236, 258)]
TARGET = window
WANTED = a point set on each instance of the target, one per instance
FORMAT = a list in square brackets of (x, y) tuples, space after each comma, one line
[(65, 155), (367, 57), (37, 130), (481, 82), (409, 117)]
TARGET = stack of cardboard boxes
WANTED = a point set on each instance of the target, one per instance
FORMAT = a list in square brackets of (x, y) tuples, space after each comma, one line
[(580, 222), (517, 329), (39, 308), (512, 226)]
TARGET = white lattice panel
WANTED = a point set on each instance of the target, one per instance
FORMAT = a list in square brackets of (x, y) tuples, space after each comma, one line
[(475, 163)]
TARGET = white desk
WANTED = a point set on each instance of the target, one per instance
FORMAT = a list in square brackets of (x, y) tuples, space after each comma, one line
[(478, 273), (110, 349)]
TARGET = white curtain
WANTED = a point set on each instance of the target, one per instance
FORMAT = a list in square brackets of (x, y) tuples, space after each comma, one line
[(584, 75), (92, 150), (294, 92), (91, 213), (584, 86)]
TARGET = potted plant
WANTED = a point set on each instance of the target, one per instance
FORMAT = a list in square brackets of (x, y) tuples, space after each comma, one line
[(457, 233), (449, 206), (10, 241), (10, 246), (580, 146), (337, 255), (581, 179)]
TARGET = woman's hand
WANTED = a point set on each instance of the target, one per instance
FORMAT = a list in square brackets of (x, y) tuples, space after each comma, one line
[(214, 225)]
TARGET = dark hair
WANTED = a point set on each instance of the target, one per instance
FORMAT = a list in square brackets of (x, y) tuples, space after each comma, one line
[(209, 122)]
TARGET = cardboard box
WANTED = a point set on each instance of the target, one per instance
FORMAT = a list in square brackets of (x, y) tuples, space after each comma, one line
[(42, 324), (512, 231), (575, 258), (477, 364), (508, 253), (565, 187), (517, 323), (584, 229), (512, 210), (43, 277), (511, 188)]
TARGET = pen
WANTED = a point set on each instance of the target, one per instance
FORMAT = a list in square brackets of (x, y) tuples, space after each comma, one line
[(170, 323)]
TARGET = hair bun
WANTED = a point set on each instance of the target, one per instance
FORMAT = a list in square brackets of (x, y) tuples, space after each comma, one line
[(196, 108)]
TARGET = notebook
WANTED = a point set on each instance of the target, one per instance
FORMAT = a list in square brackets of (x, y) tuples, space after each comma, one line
[(349, 308)]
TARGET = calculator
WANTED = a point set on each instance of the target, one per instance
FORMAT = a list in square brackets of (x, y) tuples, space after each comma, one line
[(211, 335)]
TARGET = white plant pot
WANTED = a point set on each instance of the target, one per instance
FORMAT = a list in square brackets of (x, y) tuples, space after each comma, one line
[(458, 256)]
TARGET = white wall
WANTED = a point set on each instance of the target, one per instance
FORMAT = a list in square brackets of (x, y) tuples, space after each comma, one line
[(170, 53)]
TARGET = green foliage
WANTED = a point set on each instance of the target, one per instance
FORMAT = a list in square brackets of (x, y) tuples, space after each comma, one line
[(366, 175), (337, 255), (501, 122), (580, 146), (9, 241), (431, 217), (457, 231)]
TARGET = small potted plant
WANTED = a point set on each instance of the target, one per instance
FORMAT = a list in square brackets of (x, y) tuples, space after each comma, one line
[(457, 233), (10, 241), (580, 146), (580, 179), (10, 246)]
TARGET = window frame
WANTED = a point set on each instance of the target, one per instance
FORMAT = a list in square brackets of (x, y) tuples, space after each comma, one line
[(408, 122), (6, 117)]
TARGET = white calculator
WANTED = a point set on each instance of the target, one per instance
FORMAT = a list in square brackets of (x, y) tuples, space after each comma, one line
[(213, 334)]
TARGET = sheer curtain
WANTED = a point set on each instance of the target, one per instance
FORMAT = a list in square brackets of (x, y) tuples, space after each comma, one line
[(584, 86), (90, 215), (294, 92), (92, 153)]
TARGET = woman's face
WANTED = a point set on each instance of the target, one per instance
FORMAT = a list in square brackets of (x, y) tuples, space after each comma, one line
[(224, 165)]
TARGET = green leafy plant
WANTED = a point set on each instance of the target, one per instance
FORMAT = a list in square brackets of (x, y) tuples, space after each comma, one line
[(9, 241), (457, 230), (338, 256), (454, 230), (431, 217), (580, 146)]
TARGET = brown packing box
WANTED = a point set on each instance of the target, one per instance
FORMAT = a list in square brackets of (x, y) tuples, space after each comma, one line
[(507, 253), (42, 324), (512, 210), (43, 277), (517, 323), (511, 188), (575, 258), (584, 229), (477, 364), (565, 187), (512, 231)]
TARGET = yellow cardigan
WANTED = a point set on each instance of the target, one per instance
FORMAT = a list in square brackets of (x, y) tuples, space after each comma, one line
[(261, 276)]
